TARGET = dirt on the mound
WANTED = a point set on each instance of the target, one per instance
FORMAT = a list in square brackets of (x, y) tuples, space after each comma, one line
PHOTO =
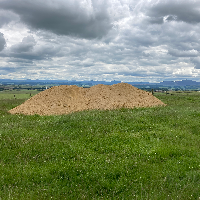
[(66, 99)]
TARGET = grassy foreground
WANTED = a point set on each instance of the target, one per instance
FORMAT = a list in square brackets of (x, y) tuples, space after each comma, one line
[(145, 153)]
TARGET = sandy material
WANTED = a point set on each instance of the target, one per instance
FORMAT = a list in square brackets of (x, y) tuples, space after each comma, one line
[(66, 99)]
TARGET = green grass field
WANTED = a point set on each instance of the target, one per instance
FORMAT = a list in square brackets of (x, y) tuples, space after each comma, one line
[(144, 153), (21, 94)]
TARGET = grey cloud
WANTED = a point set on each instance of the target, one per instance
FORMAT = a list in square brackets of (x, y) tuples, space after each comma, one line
[(26, 45), (20, 60), (139, 38), (6, 17), (145, 62), (10, 69), (29, 50), (185, 11), (30, 56), (196, 62), (2, 41), (12, 57), (178, 53), (146, 54), (144, 39), (63, 18), (156, 20)]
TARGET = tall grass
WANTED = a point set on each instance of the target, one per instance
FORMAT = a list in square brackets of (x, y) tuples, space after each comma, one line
[(144, 153)]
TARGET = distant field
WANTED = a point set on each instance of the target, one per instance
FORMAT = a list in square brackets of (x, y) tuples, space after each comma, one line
[(15, 94), (179, 93), (144, 153)]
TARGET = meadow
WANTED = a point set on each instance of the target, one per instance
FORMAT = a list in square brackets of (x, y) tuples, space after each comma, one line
[(143, 153)]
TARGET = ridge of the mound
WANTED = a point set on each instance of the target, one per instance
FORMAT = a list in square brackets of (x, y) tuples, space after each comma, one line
[(66, 99)]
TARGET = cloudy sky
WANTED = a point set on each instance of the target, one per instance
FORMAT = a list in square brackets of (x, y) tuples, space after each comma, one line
[(127, 40)]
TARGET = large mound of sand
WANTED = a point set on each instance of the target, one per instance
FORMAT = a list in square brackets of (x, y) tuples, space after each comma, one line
[(66, 99)]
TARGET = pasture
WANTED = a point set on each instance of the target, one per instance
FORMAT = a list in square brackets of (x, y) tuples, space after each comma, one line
[(143, 153)]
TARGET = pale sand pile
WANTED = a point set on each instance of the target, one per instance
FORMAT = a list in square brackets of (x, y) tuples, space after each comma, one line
[(65, 99)]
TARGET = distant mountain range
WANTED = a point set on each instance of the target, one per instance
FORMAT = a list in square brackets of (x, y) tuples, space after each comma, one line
[(90, 83)]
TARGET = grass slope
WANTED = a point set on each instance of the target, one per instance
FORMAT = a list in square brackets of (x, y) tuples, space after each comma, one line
[(145, 153)]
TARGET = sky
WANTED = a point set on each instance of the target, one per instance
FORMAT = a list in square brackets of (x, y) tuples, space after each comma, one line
[(127, 40)]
